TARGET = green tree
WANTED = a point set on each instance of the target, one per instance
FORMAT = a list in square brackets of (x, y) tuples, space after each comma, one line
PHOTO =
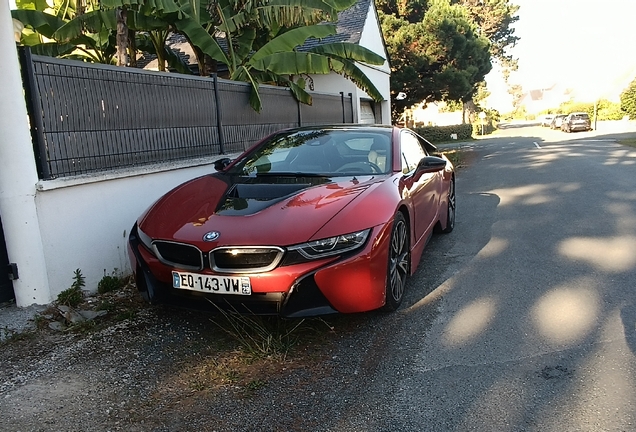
[(608, 110), (440, 58), (574, 106), (628, 100), (412, 11), (494, 19)]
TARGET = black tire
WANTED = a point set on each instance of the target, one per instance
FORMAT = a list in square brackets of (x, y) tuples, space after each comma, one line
[(398, 265), (450, 214)]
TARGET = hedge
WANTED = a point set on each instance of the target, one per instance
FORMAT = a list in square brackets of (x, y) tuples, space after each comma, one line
[(437, 134)]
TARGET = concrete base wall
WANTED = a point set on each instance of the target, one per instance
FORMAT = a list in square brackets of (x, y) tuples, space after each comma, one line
[(85, 222)]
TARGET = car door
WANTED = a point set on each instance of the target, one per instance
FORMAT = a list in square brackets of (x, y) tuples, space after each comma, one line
[(420, 188)]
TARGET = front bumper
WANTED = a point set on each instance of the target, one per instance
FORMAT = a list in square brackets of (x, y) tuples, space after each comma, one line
[(353, 283)]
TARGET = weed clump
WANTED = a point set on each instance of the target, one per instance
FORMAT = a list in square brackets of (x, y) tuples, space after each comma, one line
[(110, 283), (73, 296)]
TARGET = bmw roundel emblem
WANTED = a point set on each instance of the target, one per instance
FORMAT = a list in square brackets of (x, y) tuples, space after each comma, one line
[(211, 236)]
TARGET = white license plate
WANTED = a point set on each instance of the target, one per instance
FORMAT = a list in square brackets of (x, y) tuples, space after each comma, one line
[(238, 285)]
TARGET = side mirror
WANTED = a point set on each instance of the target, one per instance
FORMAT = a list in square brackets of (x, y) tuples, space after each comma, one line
[(430, 164), (221, 164)]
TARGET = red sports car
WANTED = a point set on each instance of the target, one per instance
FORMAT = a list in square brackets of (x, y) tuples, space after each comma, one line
[(308, 221)]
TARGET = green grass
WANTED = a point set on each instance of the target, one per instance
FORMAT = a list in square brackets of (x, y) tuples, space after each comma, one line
[(457, 157), (268, 336), (628, 142)]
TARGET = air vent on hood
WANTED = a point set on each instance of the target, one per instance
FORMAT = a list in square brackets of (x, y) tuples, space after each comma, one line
[(264, 191)]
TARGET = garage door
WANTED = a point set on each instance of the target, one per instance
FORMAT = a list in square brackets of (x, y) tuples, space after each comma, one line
[(366, 113)]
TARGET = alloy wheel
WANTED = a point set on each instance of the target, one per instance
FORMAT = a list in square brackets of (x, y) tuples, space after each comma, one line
[(450, 219), (398, 261)]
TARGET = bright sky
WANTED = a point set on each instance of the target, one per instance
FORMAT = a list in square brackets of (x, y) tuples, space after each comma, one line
[(586, 45)]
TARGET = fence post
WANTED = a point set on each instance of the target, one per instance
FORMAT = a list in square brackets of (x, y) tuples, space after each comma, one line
[(34, 110), (219, 122), (351, 102), (300, 115), (344, 115)]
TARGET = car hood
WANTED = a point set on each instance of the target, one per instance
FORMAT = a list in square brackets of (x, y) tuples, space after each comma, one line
[(251, 211)]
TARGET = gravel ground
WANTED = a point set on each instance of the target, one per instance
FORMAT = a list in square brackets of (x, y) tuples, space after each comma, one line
[(144, 368), (176, 370)]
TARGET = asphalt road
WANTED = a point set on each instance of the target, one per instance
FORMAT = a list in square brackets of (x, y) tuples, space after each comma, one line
[(523, 318)]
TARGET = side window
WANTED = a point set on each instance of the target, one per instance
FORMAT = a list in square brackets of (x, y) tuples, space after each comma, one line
[(412, 152)]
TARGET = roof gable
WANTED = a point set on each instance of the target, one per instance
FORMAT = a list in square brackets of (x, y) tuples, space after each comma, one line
[(349, 26)]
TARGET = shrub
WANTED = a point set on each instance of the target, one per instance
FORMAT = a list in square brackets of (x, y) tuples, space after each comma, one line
[(109, 283), (437, 134)]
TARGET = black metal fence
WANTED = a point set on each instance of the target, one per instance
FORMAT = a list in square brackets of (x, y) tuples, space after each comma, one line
[(88, 118)]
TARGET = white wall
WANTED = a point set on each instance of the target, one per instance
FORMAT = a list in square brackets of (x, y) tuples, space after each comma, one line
[(18, 176), (85, 222)]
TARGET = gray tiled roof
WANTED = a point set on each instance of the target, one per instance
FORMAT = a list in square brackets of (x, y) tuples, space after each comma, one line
[(349, 25)]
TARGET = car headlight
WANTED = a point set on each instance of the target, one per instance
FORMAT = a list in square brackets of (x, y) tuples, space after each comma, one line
[(332, 245), (144, 239)]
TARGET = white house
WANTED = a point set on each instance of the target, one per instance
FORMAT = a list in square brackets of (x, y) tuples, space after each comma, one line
[(360, 25)]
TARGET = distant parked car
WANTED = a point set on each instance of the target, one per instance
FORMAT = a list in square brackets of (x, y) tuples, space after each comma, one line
[(546, 120), (557, 121), (576, 121)]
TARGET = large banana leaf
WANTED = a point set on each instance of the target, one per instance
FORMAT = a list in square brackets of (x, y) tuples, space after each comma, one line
[(293, 63), (52, 49), (243, 74), (292, 39), (349, 70), (244, 44), (38, 5), (201, 39), (96, 20), (146, 6), (299, 92), (349, 51), (43, 23), (92, 21)]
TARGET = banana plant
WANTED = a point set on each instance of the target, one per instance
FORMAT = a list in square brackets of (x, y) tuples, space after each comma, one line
[(279, 59), (40, 20)]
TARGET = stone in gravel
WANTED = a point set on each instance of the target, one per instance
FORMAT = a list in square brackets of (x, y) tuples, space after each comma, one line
[(57, 326), (91, 315), (74, 317)]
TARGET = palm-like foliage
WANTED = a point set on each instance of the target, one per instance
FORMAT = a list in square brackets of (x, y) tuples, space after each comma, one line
[(41, 22), (258, 40)]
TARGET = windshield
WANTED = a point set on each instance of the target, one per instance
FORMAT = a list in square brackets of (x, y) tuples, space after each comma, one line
[(324, 152)]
